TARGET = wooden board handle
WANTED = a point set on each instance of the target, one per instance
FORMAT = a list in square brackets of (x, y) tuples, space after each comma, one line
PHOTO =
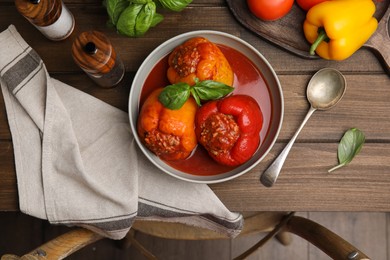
[(380, 42)]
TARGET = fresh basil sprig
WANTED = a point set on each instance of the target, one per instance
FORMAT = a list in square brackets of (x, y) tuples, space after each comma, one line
[(350, 145), (133, 18), (174, 96)]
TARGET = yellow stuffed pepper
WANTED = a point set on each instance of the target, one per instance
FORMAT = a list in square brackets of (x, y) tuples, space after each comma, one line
[(338, 28)]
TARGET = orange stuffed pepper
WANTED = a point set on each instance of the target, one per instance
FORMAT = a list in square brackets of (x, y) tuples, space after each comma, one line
[(199, 58), (170, 134)]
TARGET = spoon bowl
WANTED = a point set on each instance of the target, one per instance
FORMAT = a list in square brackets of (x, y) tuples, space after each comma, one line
[(325, 89)]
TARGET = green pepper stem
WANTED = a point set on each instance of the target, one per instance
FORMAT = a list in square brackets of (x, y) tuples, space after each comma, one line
[(321, 37)]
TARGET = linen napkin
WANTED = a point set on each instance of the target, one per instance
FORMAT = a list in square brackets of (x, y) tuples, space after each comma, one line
[(77, 162)]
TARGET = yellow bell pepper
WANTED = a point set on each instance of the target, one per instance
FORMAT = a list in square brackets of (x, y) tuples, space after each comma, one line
[(338, 28)]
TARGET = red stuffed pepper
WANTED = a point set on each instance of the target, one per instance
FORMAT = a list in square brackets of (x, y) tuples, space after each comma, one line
[(229, 128)]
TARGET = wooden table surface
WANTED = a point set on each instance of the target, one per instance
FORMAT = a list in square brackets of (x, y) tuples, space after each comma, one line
[(304, 183)]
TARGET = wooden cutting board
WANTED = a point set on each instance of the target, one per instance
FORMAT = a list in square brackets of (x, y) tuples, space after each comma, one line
[(287, 32)]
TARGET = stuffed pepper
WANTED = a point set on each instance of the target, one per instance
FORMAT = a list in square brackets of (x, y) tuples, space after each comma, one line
[(229, 128), (170, 134), (198, 58)]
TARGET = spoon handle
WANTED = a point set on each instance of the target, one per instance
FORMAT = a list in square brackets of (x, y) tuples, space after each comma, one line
[(268, 178)]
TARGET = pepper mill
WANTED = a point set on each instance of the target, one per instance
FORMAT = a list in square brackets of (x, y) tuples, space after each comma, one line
[(51, 17), (94, 54)]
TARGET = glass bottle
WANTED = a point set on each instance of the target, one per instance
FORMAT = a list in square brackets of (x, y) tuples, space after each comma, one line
[(93, 52), (51, 17)]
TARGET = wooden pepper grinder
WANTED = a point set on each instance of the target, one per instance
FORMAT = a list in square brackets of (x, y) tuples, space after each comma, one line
[(94, 54), (51, 17)]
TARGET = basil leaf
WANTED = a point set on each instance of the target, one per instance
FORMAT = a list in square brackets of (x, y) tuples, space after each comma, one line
[(349, 146), (141, 2), (211, 90), (174, 5), (114, 9), (127, 20), (157, 18), (196, 97), (137, 18), (145, 18), (174, 96)]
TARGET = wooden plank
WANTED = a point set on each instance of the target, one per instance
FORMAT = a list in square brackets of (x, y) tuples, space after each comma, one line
[(305, 184), (8, 186), (19, 233), (192, 18), (366, 231), (300, 187), (388, 234), (363, 91), (365, 105)]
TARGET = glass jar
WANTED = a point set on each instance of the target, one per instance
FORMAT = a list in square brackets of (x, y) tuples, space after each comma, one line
[(51, 17), (93, 52)]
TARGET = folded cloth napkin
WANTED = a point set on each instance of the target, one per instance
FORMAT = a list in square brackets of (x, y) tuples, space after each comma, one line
[(77, 162)]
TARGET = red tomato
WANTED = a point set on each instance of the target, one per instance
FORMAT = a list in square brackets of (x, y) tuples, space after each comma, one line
[(269, 10), (307, 4)]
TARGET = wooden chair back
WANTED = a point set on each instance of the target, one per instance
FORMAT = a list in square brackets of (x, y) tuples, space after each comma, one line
[(276, 223)]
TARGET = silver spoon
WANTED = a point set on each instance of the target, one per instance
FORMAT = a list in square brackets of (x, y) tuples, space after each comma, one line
[(325, 89)]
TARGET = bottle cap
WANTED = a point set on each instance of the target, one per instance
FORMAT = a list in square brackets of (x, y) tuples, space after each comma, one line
[(40, 12), (93, 52)]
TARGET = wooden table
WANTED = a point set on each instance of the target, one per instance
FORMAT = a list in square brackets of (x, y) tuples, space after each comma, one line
[(304, 184)]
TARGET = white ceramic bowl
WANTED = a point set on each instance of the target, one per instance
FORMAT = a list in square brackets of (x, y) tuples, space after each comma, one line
[(269, 76)]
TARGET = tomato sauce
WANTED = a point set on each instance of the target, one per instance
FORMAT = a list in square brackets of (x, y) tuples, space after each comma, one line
[(248, 80)]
